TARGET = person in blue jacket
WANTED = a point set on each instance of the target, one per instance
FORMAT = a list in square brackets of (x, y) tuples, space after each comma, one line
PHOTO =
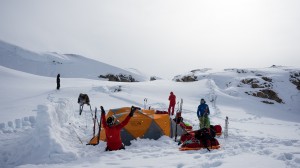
[(202, 113)]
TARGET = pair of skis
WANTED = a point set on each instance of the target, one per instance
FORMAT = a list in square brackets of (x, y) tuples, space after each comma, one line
[(95, 140), (226, 128), (145, 103), (177, 117)]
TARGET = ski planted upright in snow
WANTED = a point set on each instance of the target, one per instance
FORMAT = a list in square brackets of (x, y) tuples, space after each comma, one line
[(177, 120)]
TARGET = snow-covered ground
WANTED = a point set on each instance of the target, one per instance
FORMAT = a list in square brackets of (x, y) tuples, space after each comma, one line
[(41, 127)]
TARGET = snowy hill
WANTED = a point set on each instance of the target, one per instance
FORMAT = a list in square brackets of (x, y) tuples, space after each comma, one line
[(50, 64), (277, 85), (41, 127)]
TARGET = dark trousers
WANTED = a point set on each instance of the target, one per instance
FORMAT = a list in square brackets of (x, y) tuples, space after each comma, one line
[(107, 149), (169, 110)]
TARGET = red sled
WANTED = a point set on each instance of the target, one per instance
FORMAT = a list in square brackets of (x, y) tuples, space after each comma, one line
[(195, 144), (199, 139)]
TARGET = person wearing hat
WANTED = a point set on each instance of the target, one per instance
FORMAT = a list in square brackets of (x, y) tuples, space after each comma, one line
[(172, 99), (202, 113), (113, 130)]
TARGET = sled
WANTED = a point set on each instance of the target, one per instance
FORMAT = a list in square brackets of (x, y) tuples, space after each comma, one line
[(195, 144), (199, 139), (197, 148)]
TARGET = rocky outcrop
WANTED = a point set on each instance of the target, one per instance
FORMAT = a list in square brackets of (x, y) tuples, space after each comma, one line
[(201, 70), (186, 78), (118, 78), (193, 75), (295, 78), (240, 71), (265, 85), (267, 79), (255, 83), (153, 78), (266, 94), (267, 102)]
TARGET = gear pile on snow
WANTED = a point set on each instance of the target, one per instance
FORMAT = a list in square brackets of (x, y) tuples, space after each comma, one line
[(203, 138)]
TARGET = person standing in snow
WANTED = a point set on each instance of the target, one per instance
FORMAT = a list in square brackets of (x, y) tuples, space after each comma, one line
[(58, 81), (113, 131), (202, 113), (172, 99)]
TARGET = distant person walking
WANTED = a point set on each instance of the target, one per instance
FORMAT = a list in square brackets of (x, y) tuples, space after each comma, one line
[(172, 99), (58, 81), (202, 113)]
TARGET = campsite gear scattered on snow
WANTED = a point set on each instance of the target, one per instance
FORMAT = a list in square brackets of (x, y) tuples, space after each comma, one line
[(160, 112), (83, 99), (144, 124), (199, 139), (226, 127), (172, 99), (202, 114), (58, 81)]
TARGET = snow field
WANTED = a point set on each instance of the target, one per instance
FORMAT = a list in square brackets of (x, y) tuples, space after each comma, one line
[(260, 135)]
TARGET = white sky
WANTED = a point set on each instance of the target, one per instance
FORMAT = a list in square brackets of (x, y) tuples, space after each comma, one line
[(159, 37)]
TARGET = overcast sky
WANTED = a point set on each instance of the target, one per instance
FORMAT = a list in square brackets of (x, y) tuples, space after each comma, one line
[(159, 37)]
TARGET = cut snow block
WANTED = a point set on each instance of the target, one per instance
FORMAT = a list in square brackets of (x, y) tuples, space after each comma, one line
[(18, 123), (10, 124), (8, 130), (32, 120), (42, 108), (2, 126), (26, 122)]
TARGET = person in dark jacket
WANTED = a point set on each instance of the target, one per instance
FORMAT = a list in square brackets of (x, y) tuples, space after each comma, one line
[(202, 113), (113, 131), (172, 99), (58, 81)]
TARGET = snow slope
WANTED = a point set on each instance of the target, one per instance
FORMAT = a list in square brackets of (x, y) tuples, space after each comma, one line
[(50, 64), (41, 127), (50, 137)]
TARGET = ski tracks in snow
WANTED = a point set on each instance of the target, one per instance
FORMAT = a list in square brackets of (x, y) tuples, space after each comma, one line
[(212, 96)]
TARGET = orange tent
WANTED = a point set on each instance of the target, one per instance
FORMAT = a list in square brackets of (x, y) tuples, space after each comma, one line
[(143, 124)]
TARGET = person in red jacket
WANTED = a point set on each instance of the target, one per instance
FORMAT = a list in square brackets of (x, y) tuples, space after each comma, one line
[(172, 99), (112, 131)]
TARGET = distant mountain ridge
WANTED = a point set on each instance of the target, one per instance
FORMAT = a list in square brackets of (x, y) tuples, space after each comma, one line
[(51, 63)]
